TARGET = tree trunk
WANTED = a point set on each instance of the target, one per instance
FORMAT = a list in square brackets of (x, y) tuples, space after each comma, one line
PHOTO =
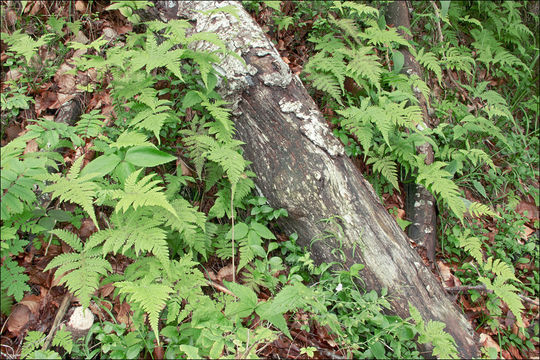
[(302, 167), (420, 209)]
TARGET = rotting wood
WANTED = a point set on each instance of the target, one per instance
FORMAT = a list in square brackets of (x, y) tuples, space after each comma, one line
[(301, 167)]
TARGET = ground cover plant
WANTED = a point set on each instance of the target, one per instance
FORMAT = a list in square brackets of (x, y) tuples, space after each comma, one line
[(147, 192)]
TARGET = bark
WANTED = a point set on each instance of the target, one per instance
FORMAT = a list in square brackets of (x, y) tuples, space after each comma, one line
[(420, 208), (302, 167)]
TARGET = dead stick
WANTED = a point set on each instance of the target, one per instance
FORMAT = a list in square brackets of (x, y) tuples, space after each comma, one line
[(220, 287), (484, 289), (59, 316)]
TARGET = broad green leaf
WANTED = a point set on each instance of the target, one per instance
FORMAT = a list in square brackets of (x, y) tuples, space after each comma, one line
[(240, 231), (101, 166), (377, 349), (267, 312), (123, 170), (262, 230), (147, 156), (398, 59), (247, 300)]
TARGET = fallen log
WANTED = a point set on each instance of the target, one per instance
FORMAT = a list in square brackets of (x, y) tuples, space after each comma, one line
[(302, 167)]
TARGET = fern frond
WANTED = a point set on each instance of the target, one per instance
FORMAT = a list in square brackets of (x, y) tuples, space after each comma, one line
[(83, 273), (141, 193), (387, 168), (478, 209), (223, 127), (472, 245), (152, 298), (438, 182), (375, 36), (327, 83), (131, 138), (229, 158), (135, 229), (69, 238), (361, 9), (363, 64), (429, 61), (90, 125), (501, 269), (75, 189)]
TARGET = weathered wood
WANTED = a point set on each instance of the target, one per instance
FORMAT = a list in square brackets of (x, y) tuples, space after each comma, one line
[(302, 167)]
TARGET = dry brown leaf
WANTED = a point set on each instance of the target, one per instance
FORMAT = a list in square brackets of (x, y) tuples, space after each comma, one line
[(87, 228), (124, 314), (225, 273), (109, 33), (18, 319), (514, 352), (66, 82), (526, 232), (11, 17), (13, 74), (530, 208), (46, 100), (32, 302), (487, 341), (80, 6), (31, 147)]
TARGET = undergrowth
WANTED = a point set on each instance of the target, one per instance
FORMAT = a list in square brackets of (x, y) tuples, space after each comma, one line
[(169, 189)]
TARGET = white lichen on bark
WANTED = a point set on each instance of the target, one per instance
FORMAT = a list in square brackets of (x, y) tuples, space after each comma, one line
[(313, 127)]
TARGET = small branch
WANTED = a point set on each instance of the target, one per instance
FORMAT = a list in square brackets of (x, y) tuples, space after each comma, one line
[(59, 316), (484, 289), (220, 288)]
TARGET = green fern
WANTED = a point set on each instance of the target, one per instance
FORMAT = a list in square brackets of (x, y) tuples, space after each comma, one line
[(472, 244), (80, 270), (505, 291), (24, 45), (439, 182), (74, 188), (363, 64), (478, 209), (90, 125), (151, 296), (387, 167), (444, 345), (141, 193), (134, 229), (63, 339)]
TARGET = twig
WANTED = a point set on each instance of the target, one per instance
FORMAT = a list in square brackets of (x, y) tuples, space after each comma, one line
[(220, 288), (59, 315), (484, 289)]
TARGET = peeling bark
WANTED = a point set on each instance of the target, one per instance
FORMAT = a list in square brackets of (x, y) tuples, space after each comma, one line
[(301, 167)]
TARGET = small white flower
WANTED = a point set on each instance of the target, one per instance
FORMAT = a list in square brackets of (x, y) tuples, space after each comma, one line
[(339, 287)]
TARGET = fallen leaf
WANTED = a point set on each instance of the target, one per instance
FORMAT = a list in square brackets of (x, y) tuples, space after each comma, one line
[(109, 34), (11, 17), (87, 228), (531, 209), (80, 6), (225, 273), (32, 302), (31, 147), (13, 74), (514, 352), (18, 319), (526, 232), (487, 341)]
